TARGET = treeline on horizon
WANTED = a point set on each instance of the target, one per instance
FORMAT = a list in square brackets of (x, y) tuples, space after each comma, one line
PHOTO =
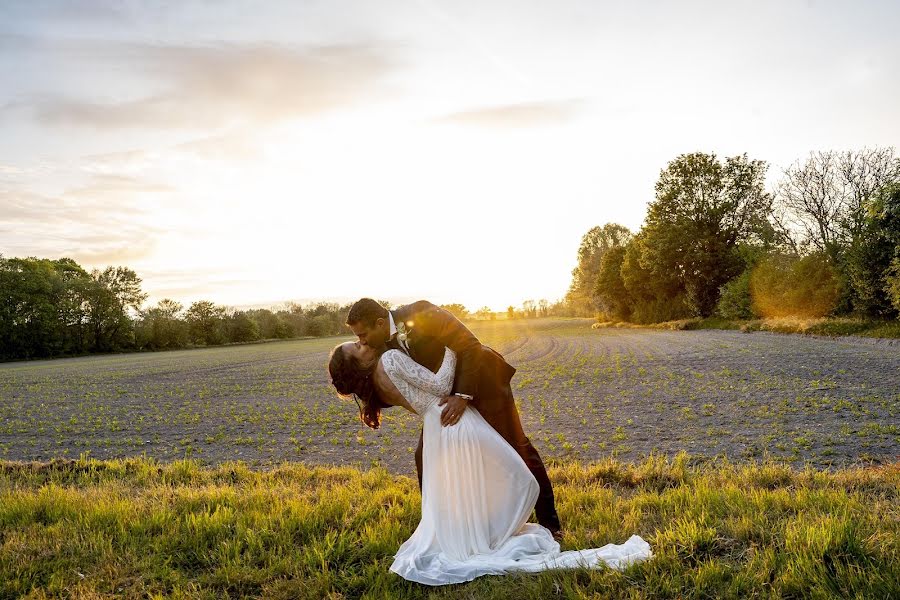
[(56, 308), (716, 243), (52, 308)]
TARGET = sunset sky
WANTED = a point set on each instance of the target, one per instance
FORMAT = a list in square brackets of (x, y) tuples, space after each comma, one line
[(252, 153)]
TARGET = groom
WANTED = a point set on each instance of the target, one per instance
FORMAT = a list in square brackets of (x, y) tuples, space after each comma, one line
[(422, 330)]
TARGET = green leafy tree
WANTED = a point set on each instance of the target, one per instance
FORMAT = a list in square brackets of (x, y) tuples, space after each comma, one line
[(241, 327), (294, 319), (327, 318), (71, 305), (320, 326), (161, 326), (42, 308), (872, 252), (271, 325), (594, 244), (704, 209), (206, 323), (611, 295), (654, 297), (28, 312), (109, 297)]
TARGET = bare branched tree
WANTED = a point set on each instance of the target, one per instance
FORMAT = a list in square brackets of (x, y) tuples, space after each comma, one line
[(822, 202)]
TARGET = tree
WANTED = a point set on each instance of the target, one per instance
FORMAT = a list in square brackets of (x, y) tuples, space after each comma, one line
[(271, 325), (869, 257), (293, 318), (160, 326), (530, 309), (612, 296), (594, 244), (71, 306), (703, 210), (205, 321), (28, 311), (654, 297), (241, 328), (484, 312), (109, 296), (321, 325), (457, 310), (822, 201)]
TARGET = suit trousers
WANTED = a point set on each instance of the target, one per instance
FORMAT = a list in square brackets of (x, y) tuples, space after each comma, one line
[(507, 423)]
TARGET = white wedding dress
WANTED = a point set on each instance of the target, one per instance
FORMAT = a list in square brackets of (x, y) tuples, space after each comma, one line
[(477, 495)]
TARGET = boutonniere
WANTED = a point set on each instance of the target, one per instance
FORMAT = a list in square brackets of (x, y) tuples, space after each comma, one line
[(402, 332)]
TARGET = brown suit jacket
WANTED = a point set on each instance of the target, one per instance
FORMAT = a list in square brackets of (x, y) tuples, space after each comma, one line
[(480, 371)]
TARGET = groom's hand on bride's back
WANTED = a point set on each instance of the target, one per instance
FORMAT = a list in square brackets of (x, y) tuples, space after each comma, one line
[(454, 407)]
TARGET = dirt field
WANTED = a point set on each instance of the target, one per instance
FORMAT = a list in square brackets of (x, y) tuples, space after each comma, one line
[(583, 394)]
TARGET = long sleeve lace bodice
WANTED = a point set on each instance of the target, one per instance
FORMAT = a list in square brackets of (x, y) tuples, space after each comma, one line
[(417, 384)]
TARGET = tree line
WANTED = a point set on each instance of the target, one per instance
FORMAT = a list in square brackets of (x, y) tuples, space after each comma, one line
[(530, 309), (52, 308), (715, 242)]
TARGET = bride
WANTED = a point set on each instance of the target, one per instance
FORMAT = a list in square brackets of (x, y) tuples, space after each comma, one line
[(477, 492)]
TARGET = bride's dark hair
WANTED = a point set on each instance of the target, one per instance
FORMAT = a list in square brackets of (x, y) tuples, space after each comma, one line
[(351, 379)]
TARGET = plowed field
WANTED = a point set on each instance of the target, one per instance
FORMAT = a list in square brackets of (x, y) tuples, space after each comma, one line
[(584, 394)]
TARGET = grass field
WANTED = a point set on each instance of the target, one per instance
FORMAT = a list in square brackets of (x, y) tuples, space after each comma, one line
[(137, 529), (279, 498)]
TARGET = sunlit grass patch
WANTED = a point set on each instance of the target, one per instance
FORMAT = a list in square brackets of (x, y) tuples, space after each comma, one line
[(137, 528)]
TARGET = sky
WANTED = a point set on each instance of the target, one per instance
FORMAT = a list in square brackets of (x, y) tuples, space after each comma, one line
[(256, 153)]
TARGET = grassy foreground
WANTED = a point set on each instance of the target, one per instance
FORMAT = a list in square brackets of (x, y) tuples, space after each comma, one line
[(136, 528)]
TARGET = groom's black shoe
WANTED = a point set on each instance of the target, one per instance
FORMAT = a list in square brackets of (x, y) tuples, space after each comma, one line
[(557, 534)]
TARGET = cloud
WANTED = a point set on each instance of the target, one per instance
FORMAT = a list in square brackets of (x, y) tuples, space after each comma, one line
[(14, 170), (113, 252), (528, 114), (99, 200), (117, 186), (100, 222), (210, 282), (219, 85), (117, 163), (226, 146)]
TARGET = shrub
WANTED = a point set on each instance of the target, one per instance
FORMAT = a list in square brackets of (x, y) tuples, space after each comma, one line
[(660, 310), (893, 283), (734, 298), (783, 285), (242, 328)]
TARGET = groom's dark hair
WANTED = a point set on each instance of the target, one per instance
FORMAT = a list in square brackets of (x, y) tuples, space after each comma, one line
[(366, 311)]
